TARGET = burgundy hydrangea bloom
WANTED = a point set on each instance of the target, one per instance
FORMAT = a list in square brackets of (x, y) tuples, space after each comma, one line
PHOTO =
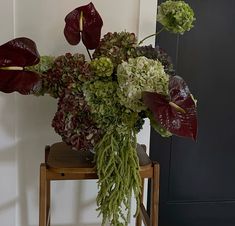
[(67, 71), (14, 56), (118, 46), (83, 21), (176, 113), (74, 123)]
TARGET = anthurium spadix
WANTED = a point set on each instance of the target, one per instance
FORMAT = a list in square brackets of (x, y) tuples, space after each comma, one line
[(83, 22), (15, 55), (176, 112)]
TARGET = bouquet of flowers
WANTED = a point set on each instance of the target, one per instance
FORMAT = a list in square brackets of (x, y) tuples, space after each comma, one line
[(102, 102)]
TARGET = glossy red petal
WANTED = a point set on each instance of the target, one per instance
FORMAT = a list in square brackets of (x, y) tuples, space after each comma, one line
[(19, 52), (24, 82), (72, 30), (181, 123), (91, 26)]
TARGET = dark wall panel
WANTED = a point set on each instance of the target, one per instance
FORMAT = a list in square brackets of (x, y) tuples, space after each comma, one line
[(197, 179)]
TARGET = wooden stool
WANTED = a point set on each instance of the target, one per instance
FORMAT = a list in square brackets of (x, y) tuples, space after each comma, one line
[(63, 163)]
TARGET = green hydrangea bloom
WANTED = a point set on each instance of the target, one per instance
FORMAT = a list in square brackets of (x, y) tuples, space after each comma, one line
[(102, 67), (138, 75), (103, 101), (44, 65), (176, 16)]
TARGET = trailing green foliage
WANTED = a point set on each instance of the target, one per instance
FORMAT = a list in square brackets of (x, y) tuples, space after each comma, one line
[(118, 171)]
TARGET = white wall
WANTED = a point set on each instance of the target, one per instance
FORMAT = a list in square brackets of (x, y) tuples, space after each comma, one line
[(8, 196), (25, 120)]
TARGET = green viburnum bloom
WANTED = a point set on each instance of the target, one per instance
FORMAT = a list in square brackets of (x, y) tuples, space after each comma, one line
[(102, 67), (138, 75), (176, 16)]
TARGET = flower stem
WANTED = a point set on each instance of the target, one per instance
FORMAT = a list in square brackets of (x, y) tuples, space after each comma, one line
[(89, 53), (155, 34), (84, 45)]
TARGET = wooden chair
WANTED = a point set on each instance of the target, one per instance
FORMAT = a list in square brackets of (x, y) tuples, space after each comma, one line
[(63, 163)]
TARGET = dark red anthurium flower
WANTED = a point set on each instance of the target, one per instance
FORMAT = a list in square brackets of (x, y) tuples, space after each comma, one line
[(14, 56), (177, 112), (83, 21)]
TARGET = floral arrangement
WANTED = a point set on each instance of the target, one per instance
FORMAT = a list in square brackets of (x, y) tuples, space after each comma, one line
[(102, 102)]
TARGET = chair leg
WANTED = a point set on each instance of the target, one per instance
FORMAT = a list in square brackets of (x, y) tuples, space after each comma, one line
[(139, 217), (48, 202), (155, 195), (48, 190), (43, 197)]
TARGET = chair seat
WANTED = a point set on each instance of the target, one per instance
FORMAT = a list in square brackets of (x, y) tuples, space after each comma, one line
[(64, 163), (63, 156)]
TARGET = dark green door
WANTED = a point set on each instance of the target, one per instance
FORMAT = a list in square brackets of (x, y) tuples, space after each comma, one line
[(198, 179)]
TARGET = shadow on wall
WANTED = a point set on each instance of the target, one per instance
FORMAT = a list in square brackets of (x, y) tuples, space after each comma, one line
[(25, 129), (33, 132), (74, 202), (8, 197)]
